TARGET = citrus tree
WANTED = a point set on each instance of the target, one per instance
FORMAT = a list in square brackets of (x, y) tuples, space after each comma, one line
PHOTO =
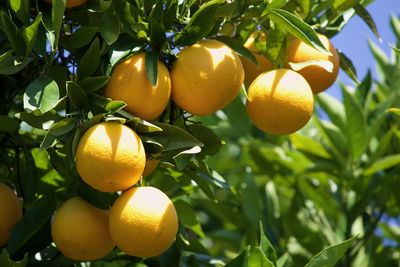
[(156, 133)]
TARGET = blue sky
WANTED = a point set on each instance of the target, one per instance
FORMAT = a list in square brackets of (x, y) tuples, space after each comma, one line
[(353, 40)]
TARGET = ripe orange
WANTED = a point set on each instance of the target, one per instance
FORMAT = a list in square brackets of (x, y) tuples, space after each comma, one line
[(110, 157), (10, 212), (71, 3), (206, 77), (80, 230), (280, 101), (251, 70), (319, 78), (143, 222), (129, 83)]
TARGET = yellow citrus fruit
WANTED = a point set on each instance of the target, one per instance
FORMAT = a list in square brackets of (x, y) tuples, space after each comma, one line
[(151, 166), (71, 3), (143, 222), (129, 83), (110, 157), (319, 78), (80, 230), (10, 212), (206, 77), (280, 101), (251, 70)]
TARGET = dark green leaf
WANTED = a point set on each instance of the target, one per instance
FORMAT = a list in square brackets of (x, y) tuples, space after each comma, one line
[(81, 37), (57, 15), (93, 84), (42, 94), (152, 67), (200, 24), (296, 27), (62, 127), (266, 246), (240, 260), (98, 199), (110, 27), (173, 137), (21, 9), (39, 120), (188, 217), (367, 18), (157, 35), (90, 61), (13, 34), (331, 255), (347, 65), (8, 125), (76, 95), (10, 65), (34, 219)]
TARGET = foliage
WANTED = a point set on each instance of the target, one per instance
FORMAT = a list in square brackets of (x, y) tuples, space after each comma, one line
[(243, 198)]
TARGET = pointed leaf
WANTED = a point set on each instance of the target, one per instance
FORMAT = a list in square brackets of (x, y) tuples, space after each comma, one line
[(29, 34), (110, 26), (333, 108), (41, 94), (331, 255), (296, 27), (347, 65), (367, 18), (76, 95), (383, 164), (152, 67), (238, 47), (13, 34), (90, 60)]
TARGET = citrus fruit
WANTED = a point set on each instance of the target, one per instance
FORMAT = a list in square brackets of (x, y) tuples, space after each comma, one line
[(151, 166), (71, 3), (10, 212), (110, 157), (80, 230), (129, 83), (317, 76), (251, 70), (206, 77), (143, 222), (280, 101)]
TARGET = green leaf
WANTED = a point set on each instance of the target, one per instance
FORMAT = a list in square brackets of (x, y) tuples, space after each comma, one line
[(21, 9), (395, 111), (42, 94), (39, 120), (90, 61), (200, 24), (93, 84), (157, 34), (188, 217), (382, 60), (367, 18), (266, 246), (331, 255), (212, 143), (238, 47), (29, 34), (110, 26), (115, 106), (96, 198), (10, 65), (309, 145), (76, 95), (395, 25), (251, 201), (13, 34), (383, 164), (152, 67), (240, 260), (296, 27), (257, 258), (183, 159), (333, 108), (347, 65), (33, 220), (344, 4), (356, 128), (81, 37), (173, 137), (62, 127), (7, 262), (57, 16)]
